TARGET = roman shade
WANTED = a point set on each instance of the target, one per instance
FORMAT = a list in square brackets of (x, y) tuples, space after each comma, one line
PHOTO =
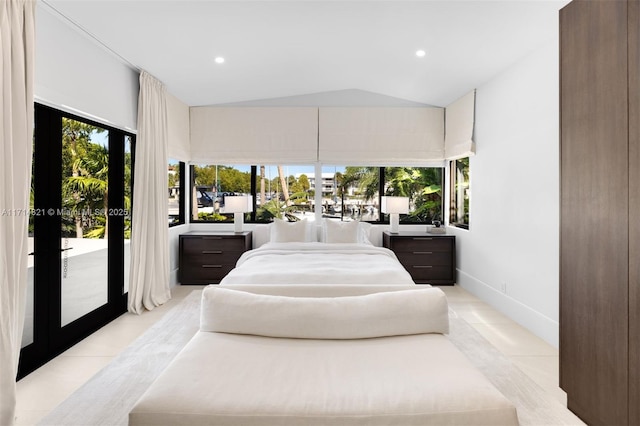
[(459, 120), (381, 136), (247, 135), (178, 146)]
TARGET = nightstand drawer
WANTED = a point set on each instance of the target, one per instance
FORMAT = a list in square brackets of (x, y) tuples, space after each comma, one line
[(212, 256), (411, 244), (430, 273), (422, 257), (227, 258), (203, 245), (205, 273)]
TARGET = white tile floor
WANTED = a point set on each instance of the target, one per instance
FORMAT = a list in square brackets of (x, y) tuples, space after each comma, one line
[(42, 390)]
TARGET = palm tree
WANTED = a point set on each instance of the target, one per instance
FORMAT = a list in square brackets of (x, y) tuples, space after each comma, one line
[(283, 184), (76, 138), (263, 198), (423, 186), (89, 188)]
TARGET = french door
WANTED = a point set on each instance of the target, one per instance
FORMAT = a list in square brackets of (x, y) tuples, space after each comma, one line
[(78, 232)]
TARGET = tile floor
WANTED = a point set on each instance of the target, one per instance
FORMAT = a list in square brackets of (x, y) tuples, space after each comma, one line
[(42, 390)]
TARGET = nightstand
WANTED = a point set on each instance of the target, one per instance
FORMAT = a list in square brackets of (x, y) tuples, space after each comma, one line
[(206, 257), (429, 258)]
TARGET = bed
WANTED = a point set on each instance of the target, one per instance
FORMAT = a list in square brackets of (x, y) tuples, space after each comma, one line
[(377, 357), (300, 253), (318, 263), (321, 327)]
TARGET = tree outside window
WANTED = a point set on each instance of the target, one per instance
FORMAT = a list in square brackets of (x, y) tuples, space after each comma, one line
[(460, 184)]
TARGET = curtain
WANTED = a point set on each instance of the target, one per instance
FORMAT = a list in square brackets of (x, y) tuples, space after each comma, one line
[(459, 121), (17, 33), (251, 135), (381, 136), (149, 273), (178, 144)]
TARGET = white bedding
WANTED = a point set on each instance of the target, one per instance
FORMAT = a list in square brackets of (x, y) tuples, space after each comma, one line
[(318, 263)]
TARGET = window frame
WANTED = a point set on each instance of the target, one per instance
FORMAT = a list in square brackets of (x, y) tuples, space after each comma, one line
[(250, 217)]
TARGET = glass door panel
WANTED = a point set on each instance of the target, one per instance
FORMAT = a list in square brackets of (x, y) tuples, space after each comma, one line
[(84, 243), (81, 196), (28, 326), (27, 330), (128, 199)]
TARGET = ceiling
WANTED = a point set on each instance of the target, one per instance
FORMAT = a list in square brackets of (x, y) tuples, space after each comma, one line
[(285, 49)]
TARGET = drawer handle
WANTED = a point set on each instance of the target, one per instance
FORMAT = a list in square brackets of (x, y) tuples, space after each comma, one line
[(422, 238), (422, 252), (212, 266), (422, 266), (211, 238), (211, 251)]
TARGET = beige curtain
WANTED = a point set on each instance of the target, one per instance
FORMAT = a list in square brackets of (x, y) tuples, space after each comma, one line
[(149, 276), (381, 136), (17, 33), (178, 144), (460, 118), (251, 135)]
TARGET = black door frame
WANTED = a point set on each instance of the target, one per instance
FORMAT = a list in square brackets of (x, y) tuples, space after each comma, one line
[(49, 337)]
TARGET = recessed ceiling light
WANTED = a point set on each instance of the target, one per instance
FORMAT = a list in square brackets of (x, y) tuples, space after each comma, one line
[(219, 60), (420, 53)]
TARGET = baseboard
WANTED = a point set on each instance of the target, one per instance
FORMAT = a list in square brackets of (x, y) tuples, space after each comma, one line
[(539, 324), (173, 278)]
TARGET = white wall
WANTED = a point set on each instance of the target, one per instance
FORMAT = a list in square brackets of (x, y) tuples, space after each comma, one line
[(75, 74), (513, 240)]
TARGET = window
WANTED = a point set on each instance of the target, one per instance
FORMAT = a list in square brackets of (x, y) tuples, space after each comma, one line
[(285, 192), (175, 179), (351, 193), (211, 183), (357, 191), (423, 186), (288, 191), (459, 213)]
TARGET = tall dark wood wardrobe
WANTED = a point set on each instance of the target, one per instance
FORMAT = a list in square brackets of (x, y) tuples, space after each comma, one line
[(600, 210)]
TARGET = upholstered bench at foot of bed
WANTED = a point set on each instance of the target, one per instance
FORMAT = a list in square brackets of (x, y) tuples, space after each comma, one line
[(229, 379), (329, 374)]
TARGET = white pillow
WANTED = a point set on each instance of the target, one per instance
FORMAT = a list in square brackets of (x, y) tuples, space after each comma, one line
[(364, 230), (393, 313), (336, 231), (290, 232)]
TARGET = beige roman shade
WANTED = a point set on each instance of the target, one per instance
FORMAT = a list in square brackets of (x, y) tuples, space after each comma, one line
[(178, 147), (459, 120), (381, 136), (247, 135)]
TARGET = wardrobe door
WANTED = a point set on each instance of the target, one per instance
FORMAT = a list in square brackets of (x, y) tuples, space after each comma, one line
[(594, 245), (634, 212)]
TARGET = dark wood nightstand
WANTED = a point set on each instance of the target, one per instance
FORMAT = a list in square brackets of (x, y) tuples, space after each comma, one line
[(429, 258), (206, 257)]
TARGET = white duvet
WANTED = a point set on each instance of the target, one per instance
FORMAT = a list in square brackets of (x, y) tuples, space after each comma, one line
[(318, 263)]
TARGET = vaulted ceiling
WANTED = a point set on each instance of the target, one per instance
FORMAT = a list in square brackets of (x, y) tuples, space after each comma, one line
[(285, 49)]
